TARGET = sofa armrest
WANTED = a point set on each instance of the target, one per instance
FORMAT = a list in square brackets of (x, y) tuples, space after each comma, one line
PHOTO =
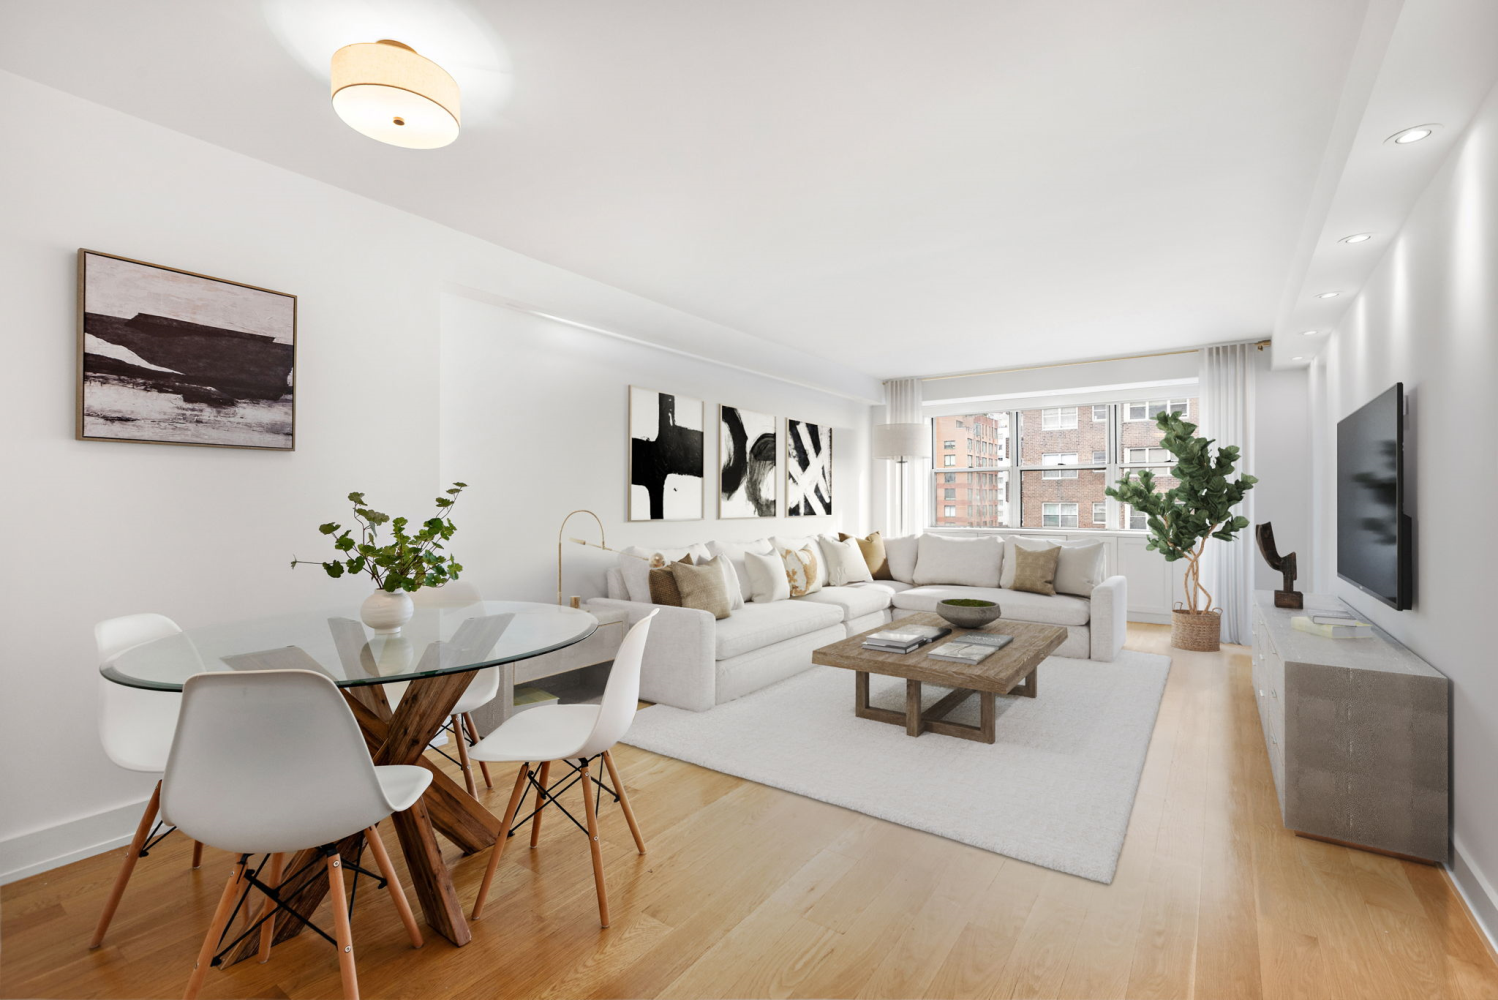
[(1109, 623), (679, 667)]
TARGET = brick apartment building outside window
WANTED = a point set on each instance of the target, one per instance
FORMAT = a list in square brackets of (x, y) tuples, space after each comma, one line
[(1048, 467)]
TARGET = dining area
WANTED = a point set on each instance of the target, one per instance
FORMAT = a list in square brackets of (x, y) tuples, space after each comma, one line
[(283, 747)]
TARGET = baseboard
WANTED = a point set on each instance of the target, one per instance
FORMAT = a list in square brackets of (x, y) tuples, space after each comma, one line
[(1150, 617), (31, 853), (1477, 893)]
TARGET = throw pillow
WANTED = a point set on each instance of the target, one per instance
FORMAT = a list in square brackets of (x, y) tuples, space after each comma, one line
[(963, 562), (732, 553), (663, 589), (703, 587), (845, 563), (1079, 567), (901, 553), (636, 563), (809, 542), (801, 571), (767, 578), (1035, 570), (873, 554)]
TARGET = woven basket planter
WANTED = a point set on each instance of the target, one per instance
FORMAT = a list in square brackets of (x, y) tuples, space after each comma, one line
[(1199, 631)]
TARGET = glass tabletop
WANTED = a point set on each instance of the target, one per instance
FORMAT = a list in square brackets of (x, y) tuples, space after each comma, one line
[(437, 640)]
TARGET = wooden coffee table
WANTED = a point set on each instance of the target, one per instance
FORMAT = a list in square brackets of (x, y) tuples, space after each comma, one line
[(1011, 669)]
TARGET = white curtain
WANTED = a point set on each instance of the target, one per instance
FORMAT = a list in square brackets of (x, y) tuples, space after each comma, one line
[(1227, 395), (902, 405)]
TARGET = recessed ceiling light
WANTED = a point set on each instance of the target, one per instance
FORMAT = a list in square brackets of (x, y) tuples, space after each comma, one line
[(1356, 238), (1328, 295), (1297, 358), (1413, 134), (1309, 333)]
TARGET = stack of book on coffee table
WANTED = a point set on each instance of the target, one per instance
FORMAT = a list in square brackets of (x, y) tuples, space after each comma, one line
[(903, 640)]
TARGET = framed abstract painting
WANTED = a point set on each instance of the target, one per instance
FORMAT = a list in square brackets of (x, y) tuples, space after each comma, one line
[(167, 356), (748, 463), (808, 469), (665, 456)]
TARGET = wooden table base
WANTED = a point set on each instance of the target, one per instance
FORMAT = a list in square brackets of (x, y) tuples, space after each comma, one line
[(401, 737), (934, 719)]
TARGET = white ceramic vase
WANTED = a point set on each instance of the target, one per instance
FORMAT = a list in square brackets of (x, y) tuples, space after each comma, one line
[(386, 612)]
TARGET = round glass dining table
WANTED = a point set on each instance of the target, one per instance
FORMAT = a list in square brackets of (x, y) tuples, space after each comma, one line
[(430, 661)]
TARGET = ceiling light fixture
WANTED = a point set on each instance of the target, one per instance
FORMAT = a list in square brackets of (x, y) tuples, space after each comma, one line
[(1297, 358), (1328, 295), (386, 91), (1413, 134), (1356, 238)]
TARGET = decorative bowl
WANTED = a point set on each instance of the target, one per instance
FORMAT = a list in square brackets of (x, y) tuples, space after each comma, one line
[(965, 612)]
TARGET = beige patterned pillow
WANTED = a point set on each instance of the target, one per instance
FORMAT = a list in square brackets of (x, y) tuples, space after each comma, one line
[(801, 571), (703, 586), (1035, 569)]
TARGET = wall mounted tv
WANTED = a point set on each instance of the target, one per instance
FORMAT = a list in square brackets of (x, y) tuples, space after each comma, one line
[(1374, 535)]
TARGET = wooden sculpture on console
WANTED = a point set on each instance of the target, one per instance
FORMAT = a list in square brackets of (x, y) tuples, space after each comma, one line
[(1285, 564)]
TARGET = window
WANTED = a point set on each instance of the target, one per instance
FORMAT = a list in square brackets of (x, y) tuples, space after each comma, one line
[(1059, 458), (1100, 458), (949, 460), (949, 511), (1100, 413), (1147, 410), (1143, 456), (949, 494), (949, 444), (1058, 418), (1100, 512), (1134, 520), (1058, 515), (949, 477)]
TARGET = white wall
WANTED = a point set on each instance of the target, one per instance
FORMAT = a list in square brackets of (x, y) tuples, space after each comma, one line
[(204, 535), (533, 418), (1282, 461), (1428, 317)]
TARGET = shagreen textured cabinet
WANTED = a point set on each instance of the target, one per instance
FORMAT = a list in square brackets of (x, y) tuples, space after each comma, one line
[(1358, 734)]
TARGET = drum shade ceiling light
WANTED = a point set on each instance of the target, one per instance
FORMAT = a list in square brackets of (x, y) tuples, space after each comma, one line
[(388, 92)]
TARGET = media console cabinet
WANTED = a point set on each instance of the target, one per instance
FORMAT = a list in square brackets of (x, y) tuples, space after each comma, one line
[(1358, 734)]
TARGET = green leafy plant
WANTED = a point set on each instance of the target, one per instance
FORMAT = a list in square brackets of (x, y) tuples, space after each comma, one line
[(1181, 520), (967, 602), (408, 561)]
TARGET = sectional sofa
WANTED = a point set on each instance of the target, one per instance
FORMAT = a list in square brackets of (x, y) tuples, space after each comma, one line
[(694, 661)]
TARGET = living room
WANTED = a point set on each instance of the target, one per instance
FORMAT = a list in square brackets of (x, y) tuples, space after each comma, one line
[(736, 343)]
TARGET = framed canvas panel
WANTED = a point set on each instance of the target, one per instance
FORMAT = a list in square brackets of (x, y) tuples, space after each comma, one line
[(748, 463), (167, 356), (808, 469), (665, 456)]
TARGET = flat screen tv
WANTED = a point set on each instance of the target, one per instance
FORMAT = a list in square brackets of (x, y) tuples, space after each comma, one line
[(1374, 534)]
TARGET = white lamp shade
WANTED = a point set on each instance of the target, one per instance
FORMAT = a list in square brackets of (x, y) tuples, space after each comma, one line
[(901, 441), (388, 92)]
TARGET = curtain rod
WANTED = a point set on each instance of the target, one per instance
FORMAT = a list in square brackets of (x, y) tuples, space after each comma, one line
[(1260, 344)]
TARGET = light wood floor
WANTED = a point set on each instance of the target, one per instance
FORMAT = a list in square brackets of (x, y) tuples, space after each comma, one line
[(749, 891)]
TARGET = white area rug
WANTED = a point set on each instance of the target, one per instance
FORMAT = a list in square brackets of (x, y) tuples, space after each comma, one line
[(1055, 790)]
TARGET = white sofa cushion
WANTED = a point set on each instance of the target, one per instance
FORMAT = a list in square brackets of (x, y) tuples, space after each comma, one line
[(965, 562), (892, 586), (845, 562), (855, 602), (901, 554), (635, 564), (767, 577), (1079, 566), (733, 553), (1016, 605), (758, 625)]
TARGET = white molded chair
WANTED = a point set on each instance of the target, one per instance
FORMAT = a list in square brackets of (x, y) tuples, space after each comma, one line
[(566, 733), (483, 689), (135, 727), (270, 762)]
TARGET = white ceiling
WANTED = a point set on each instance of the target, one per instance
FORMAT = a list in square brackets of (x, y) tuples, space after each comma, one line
[(905, 187)]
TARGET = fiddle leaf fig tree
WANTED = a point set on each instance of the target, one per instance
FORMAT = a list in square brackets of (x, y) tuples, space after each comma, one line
[(409, 561), (1183, 519)]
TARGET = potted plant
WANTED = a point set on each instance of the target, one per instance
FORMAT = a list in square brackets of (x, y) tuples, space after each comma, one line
[(400, 566), (1182, 520)]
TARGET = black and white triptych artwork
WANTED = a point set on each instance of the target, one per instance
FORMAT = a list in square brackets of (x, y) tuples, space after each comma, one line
[(172, 357), (665, 456), (749, 458), (808, 469)]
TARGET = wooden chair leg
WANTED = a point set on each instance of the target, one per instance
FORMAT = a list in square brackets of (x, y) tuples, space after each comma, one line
[(473, 737), (463, 757), (629, 814), (132, 855), (215, 929), (268, 929), (341, 930), (593, 845), (197, 854), (504, 836), (397, 893), (545, 782)]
